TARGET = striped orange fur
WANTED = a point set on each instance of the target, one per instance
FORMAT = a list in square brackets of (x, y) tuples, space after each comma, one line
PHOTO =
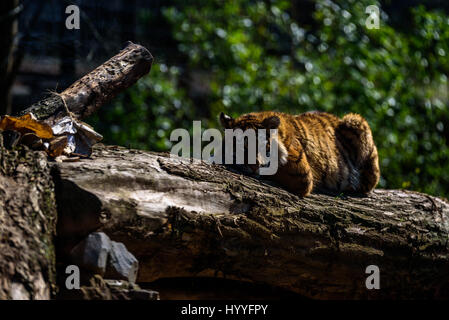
[(318, 151)]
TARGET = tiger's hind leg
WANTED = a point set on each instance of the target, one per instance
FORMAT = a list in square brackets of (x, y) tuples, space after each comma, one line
[(355, 136), (369, 172)]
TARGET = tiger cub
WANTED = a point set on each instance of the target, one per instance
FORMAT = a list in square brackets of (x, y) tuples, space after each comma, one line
[(317, 150)]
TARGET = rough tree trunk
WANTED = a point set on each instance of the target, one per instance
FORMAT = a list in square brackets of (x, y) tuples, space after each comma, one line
[(27, 225), (196, 219)]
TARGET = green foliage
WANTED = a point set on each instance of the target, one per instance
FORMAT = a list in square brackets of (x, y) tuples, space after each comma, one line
[(258, 57)]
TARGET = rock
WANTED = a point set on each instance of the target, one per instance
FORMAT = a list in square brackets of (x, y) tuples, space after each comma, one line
[(99, 255), (92, 253), (121, 264)]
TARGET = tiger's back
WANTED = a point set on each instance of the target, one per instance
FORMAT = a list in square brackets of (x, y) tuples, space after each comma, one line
[(335, 150)]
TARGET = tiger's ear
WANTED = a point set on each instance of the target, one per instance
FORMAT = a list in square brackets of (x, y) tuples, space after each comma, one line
[(271, 122), (225, 120)]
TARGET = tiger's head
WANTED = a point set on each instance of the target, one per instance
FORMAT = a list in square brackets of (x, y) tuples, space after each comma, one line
[(257, 122)]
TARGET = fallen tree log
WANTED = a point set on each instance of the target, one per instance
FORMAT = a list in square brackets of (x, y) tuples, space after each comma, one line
[(195, 219)]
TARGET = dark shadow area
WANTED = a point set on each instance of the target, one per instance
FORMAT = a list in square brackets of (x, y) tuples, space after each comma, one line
[(216, 289)]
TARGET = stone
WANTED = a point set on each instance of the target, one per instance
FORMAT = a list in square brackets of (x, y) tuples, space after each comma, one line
[(121, 264), (92, 253)]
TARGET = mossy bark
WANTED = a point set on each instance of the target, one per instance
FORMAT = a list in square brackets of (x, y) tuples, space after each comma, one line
[(184, 219)]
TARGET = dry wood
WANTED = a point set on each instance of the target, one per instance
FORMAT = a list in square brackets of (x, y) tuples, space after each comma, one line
[(89, 93), (196, 219)]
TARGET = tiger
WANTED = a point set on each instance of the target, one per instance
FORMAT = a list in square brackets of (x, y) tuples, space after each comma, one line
[(317, 151)]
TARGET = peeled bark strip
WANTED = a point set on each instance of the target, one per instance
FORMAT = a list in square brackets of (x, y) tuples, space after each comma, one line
[(89, 93), (194, 219)]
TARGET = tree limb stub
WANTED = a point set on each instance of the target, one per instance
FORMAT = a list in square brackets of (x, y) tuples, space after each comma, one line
[(195, 219), (86, 95)]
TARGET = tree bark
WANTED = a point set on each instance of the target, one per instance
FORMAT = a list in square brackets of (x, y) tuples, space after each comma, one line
[(27, 225), (195, 219), (89, 93)]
